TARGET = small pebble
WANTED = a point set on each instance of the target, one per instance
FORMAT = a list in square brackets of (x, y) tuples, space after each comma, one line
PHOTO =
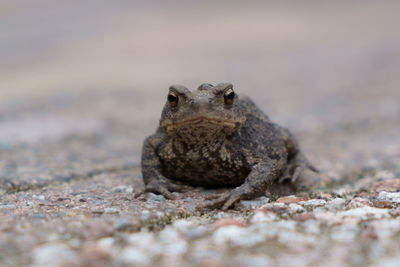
[(227, 221), (295, 207), (39, 197), (146, 214), (291, 199), (135, 256), (7, 206), (111, 210), (313, 203), (236, 236), (106, 243), (197, 232), (359, 202), (364, 213), (335, 204), (183, 224), (98, 211), (253, 204), (173, 242), (53, 255), (393, 197), (253, 261), (383, 204), (263, 217), (274, 207), (155, 197), (388, 185)]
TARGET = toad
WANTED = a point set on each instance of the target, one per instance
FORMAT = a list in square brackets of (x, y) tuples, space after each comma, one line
[(212, 137)]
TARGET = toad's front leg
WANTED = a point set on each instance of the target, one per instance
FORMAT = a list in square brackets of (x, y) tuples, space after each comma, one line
[(154, 181), (260, 178)]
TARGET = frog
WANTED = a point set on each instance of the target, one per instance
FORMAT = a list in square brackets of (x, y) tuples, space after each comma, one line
[(212, 137)]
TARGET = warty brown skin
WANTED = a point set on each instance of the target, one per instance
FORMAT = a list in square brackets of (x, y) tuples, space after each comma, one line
[(213, 138)]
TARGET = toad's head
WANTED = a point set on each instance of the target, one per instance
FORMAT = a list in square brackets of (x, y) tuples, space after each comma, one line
[(204, 115)]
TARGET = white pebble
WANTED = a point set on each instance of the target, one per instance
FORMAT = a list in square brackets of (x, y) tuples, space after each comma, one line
[(131, 255), (313, 203), (111, 210), (263, 217), (236, 236), (253, 204), (295, 207), (174, 244), (7, 206), (253, 260), (394, 197), (273, 205), (52, 255), (146, 241), (336, 204), (129, 190), (106, 243), (364, 213), (183, 225), (39, 197)]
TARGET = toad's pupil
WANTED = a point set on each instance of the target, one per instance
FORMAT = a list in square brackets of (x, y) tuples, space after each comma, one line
[(172, 98), (230, 96)]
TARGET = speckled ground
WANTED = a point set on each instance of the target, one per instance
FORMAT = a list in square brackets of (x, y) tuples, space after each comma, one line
[(73, 117)]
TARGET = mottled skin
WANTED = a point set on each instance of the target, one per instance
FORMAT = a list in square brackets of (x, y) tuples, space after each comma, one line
[(211, 137)]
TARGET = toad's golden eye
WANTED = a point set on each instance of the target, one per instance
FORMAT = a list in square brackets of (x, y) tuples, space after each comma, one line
[(173, 99), (229, 96)]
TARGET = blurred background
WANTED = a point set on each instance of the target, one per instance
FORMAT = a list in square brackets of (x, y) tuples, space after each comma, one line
[(304, 46), (315, 66)]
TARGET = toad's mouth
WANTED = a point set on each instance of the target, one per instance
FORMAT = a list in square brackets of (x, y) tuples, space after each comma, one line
[(200, 129), (201, 120)]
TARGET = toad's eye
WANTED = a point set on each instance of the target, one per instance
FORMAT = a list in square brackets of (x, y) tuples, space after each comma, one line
[(229, 96), (173, 99)]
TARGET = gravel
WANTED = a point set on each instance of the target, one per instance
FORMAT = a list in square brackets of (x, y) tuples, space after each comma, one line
[(70, 157)]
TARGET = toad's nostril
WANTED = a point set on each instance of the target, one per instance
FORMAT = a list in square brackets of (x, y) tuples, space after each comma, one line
[(202, 103), (204, 100)]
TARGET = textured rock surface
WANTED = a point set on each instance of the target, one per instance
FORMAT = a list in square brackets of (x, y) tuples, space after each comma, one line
[(69, 157)]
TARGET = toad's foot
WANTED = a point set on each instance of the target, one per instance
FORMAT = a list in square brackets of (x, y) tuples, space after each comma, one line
[(227, 199), (303, 175), (165, 187), (309, 180)]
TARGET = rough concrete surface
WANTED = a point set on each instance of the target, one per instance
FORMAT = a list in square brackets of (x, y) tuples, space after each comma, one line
[(83, 82)]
